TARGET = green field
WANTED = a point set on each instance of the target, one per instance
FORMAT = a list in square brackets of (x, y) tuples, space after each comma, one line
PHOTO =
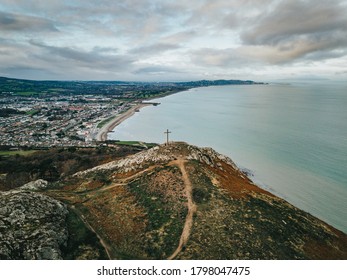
[(102, 123), (136, 143), (27, 93), (32, 112), (20, 152), (128, 143)]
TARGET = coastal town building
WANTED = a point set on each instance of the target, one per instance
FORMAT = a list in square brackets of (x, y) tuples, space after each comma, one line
[(75, 121)]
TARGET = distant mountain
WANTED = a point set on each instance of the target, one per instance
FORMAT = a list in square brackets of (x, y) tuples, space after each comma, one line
[(174, 201), (33, 87), (204, 83)]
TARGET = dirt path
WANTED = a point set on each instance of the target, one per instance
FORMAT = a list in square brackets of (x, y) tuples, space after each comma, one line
[(124, 181), (88, 225), (191, 209)]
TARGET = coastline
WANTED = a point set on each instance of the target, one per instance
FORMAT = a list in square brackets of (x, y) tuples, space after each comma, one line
[(117, 120), (307, 199), (102, 134)]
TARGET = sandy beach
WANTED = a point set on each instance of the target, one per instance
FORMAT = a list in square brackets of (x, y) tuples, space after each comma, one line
[(102, 134)]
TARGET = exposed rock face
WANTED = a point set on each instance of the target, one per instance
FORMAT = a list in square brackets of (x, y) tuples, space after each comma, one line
[(209, 156), (132, 162), (32, 225), (161, 155)]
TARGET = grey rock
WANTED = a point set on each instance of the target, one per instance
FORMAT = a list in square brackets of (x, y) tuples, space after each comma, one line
[(32, 226), (37, 185)]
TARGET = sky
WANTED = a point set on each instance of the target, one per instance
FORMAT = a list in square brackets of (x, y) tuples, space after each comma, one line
[(180, 40)]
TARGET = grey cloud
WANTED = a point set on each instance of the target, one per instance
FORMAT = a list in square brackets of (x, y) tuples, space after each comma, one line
[(156, 70), (219, 15), (341, 73), (105, 50), (295, 18), (301, 49), (246, 56), (14, 22), (180, 37), (322, 55), (298, 29), (223, 58), (231, 21), (27, 72), (12, 52), (107, 36), (40, 61), (89, 59), (129, 19), (138, 20), (154, 49)]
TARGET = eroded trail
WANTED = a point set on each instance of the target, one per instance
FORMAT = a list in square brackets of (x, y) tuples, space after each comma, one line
[(191, 208), (104, 244)]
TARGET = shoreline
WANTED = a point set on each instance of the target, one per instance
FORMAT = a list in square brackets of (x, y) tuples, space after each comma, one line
[(267, 181), (118, 119)]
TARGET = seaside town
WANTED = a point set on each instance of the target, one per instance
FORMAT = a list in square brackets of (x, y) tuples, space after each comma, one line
[(63, 119), (57, 121), (54, 113)]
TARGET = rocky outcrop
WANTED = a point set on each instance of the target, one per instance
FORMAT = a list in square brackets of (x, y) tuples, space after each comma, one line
[(209, 157), (32, 225), (131, 163), (161, 155), (37, 185)]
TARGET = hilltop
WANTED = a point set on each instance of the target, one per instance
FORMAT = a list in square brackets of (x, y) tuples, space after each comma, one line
[(174, 201)]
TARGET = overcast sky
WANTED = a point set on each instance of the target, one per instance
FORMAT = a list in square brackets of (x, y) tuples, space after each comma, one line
[(155, 40)]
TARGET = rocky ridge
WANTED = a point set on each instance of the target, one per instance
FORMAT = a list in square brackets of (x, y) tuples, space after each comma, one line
[(38, 185), (131, 163), (32, 225), (161, 155)]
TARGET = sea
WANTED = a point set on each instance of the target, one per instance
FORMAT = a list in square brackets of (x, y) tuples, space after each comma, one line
[(290, 138)]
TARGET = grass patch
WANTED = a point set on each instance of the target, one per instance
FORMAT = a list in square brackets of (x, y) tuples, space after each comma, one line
[(54, 90), (20, 153), (102, 123), (165, 220), (27, 93), (82, 242), (135, 143), (129, 143), (32, 112)]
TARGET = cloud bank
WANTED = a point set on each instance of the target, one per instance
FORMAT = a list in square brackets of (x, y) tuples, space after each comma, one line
[(172, 40)]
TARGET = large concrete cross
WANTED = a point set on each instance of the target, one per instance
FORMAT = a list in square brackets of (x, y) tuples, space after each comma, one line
[(167, 136)]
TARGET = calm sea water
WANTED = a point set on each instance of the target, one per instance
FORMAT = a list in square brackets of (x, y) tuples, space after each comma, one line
[(292, 137)]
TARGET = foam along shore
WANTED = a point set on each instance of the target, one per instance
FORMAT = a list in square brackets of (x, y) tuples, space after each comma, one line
[(102, 134)]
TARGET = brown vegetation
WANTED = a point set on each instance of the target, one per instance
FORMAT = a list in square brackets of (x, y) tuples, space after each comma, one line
[(183, 202)]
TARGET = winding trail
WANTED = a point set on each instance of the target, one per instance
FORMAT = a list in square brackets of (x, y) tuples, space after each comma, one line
[(188, 224), (104, 244), (191, 208)]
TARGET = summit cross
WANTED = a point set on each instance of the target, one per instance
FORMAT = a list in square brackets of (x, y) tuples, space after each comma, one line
[(167, 136)]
